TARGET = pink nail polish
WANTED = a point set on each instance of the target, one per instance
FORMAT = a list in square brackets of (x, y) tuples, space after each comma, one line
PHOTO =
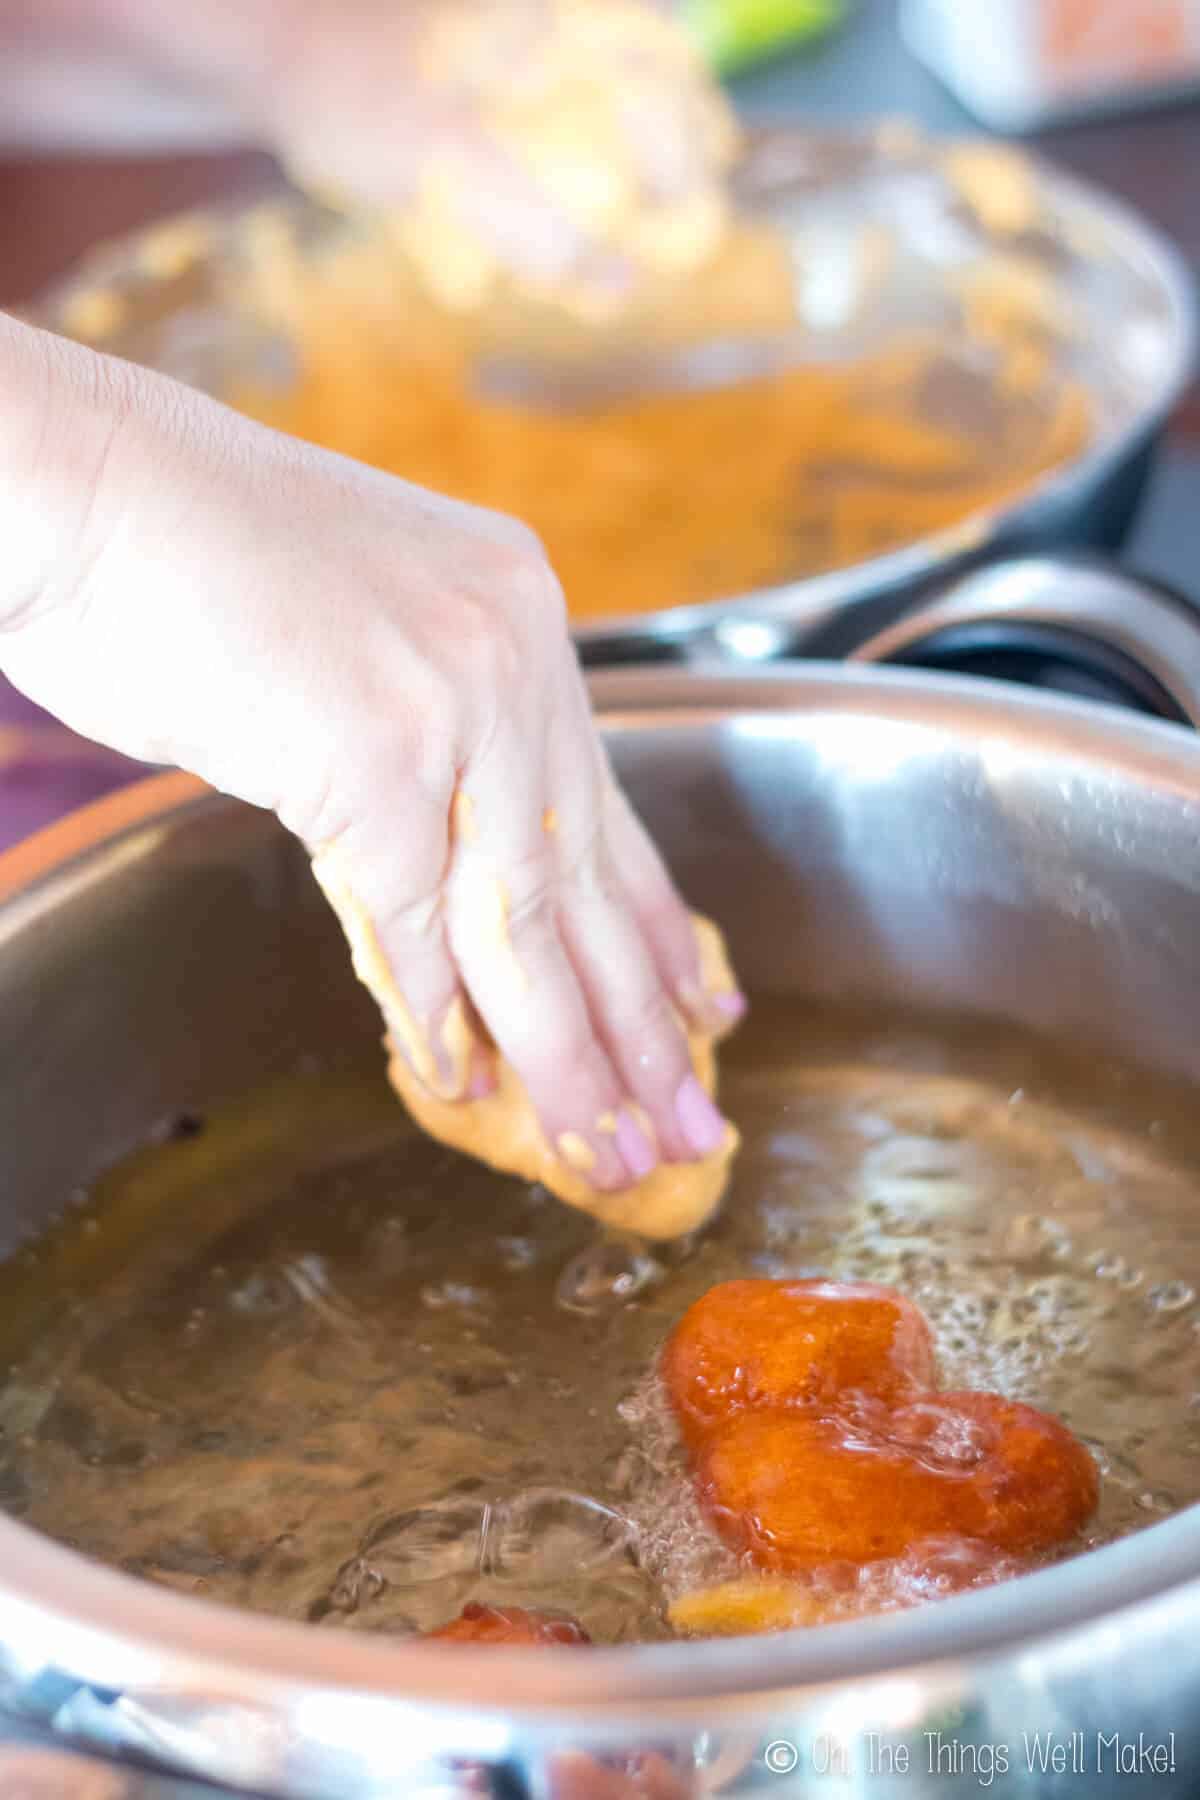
[(635, 1149), (483, 1076), (710, 1010), (699, 1120)]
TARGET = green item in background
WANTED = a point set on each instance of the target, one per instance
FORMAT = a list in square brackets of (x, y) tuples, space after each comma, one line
[(732, 34)]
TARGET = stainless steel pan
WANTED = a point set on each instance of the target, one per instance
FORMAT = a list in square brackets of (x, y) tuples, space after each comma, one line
[(953, 843), (1131, 347)]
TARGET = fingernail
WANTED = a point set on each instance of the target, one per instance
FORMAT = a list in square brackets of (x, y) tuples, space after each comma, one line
[(576, 1152), (699, 1120), (636, 1150), (709, 1009), (483, 1075)]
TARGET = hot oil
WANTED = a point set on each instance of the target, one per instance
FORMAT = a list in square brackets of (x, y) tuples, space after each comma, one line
[(302, 1360)]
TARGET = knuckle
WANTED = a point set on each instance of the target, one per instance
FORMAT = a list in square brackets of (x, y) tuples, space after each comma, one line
[(412, 923), (323, 783), (666, 921), (653, 1021), (589, 870), (334, 789), (532, 588), (425, 731), (532, 898), (317, 809), (405, 723), (488, 646), (568, 1049)]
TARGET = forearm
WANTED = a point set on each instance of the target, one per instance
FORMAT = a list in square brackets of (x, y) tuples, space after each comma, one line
[(126, 506), (60, 414), (323, 639)]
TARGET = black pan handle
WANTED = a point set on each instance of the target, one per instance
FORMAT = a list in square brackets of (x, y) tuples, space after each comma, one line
[(1075, 623)]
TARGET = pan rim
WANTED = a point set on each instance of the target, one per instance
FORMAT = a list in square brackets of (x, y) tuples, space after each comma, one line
[(108, 1628)]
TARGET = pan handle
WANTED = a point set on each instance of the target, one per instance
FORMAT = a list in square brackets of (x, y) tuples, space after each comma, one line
[(1105, 633)]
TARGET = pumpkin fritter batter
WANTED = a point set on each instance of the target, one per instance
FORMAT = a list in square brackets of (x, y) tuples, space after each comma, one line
[(502, 1129)]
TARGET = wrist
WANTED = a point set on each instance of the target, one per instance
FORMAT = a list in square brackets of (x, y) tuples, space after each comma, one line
[(102, 467), (63, 416)]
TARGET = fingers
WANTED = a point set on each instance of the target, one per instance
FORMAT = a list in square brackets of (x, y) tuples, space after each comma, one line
[(502, 910), (664, 919), (390, 908), (633, 1010), (483, 918), (578, 995), (633, 1014), (429, 1016)]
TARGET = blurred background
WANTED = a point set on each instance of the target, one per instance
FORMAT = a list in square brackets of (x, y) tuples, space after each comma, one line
[(1108, 89), (1116, 98)]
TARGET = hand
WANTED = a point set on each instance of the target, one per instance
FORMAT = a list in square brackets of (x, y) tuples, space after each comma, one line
[(574, 144), (390, 672), (564, 141)]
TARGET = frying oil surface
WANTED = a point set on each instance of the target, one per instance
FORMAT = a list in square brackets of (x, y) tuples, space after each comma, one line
[(306, 1362)]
